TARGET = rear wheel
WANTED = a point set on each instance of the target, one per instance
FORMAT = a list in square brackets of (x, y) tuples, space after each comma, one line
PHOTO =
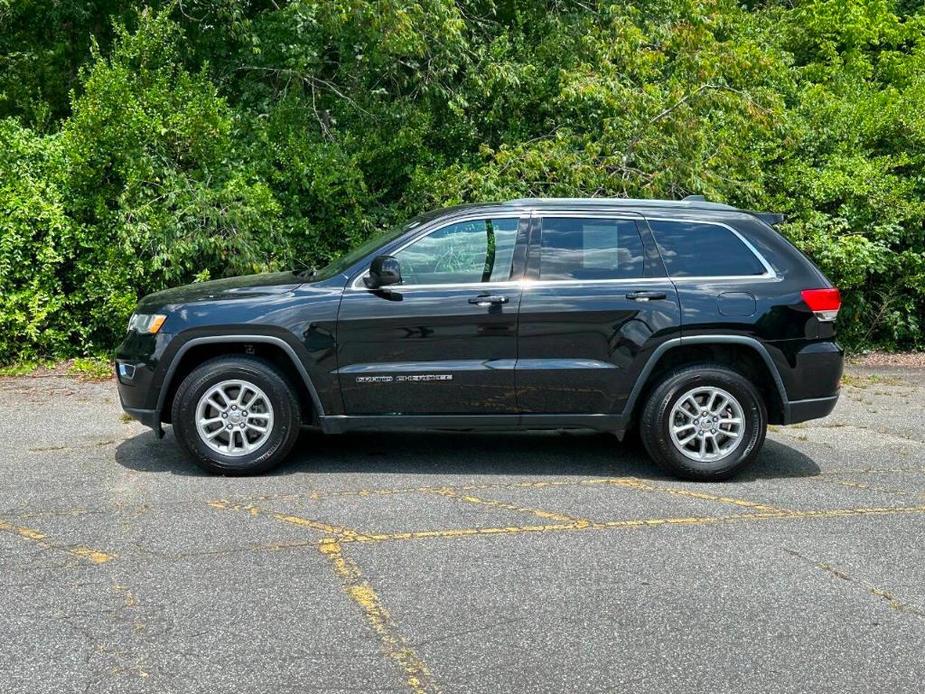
[(236, 415), (704, 422)]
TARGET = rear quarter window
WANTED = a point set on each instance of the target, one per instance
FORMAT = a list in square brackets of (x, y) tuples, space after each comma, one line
[(698, 249)]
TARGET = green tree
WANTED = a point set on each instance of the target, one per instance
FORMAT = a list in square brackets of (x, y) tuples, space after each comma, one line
[(151, 144)]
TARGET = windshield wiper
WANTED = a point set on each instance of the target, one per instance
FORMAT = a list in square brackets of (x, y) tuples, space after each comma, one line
[(305, 274)]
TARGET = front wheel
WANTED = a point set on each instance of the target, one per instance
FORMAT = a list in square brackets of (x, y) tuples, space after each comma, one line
[(236, 415), (704, 422)]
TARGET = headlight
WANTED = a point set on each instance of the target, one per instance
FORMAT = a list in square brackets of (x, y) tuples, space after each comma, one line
[(146, 322)]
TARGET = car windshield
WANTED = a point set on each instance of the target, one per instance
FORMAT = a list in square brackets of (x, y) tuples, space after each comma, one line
[(343, 263)]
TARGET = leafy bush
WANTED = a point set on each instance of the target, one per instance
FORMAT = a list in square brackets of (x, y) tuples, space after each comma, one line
[(149, 146)]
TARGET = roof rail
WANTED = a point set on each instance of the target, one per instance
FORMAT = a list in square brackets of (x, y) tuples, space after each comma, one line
[(697, 202)]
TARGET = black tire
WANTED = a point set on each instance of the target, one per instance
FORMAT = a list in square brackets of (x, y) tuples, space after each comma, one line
[(285, 424), (655, 422)]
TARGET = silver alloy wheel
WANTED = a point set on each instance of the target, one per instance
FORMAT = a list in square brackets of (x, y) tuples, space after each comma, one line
[(706, 424), (234, 418)]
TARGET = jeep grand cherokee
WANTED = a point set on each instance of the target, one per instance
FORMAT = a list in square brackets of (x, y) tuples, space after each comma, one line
[(695, 324)]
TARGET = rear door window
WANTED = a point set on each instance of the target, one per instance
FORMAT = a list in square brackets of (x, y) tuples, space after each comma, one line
[(698, 249), (590, 248)]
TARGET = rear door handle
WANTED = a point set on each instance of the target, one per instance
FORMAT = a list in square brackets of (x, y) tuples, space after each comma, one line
[(487, 300), (646, 296)]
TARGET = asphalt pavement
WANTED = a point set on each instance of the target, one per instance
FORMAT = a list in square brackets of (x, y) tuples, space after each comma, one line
[(425, 562)]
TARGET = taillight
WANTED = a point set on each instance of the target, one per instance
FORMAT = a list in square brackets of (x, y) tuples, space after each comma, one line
[(824, 303)]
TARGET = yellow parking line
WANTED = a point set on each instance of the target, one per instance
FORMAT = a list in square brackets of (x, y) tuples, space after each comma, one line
[(506, 506), (633, 483), (782, 515), (349, 535), (417, 675), (316, 494), (344, 533), (453, 533), (543, 484), (94, 556)]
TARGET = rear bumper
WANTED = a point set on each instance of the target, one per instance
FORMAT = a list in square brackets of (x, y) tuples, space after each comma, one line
[(810, 370), (811, 374), (811, 408)]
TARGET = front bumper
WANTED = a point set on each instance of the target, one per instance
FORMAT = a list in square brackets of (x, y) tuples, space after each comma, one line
[(150, 418), (137, 361), (811, 408), (132, 398)]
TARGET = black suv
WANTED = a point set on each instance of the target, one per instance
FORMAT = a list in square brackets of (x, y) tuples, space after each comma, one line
[(695, 323)]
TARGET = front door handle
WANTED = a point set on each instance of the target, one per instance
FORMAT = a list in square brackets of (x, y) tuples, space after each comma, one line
[(646, 296), (488, 300)]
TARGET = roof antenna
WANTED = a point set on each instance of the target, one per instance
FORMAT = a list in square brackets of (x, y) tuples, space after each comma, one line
[(695, 198)]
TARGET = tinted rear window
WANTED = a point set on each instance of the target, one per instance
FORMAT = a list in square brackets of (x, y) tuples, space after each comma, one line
[(696, 249), (590, 248)]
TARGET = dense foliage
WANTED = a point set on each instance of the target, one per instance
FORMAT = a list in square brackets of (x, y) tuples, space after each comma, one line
[(151, 144)]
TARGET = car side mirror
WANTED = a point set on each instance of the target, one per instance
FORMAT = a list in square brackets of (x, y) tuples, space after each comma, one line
[(384, 271)]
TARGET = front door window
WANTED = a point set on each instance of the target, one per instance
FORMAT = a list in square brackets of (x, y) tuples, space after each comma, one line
[(470, 252)]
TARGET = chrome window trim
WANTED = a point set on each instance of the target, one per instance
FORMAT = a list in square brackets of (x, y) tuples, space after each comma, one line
[(648, 280), (625, 215), (528, 284), (519, 215), (727, 278), (769, 272), (453, 285)]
